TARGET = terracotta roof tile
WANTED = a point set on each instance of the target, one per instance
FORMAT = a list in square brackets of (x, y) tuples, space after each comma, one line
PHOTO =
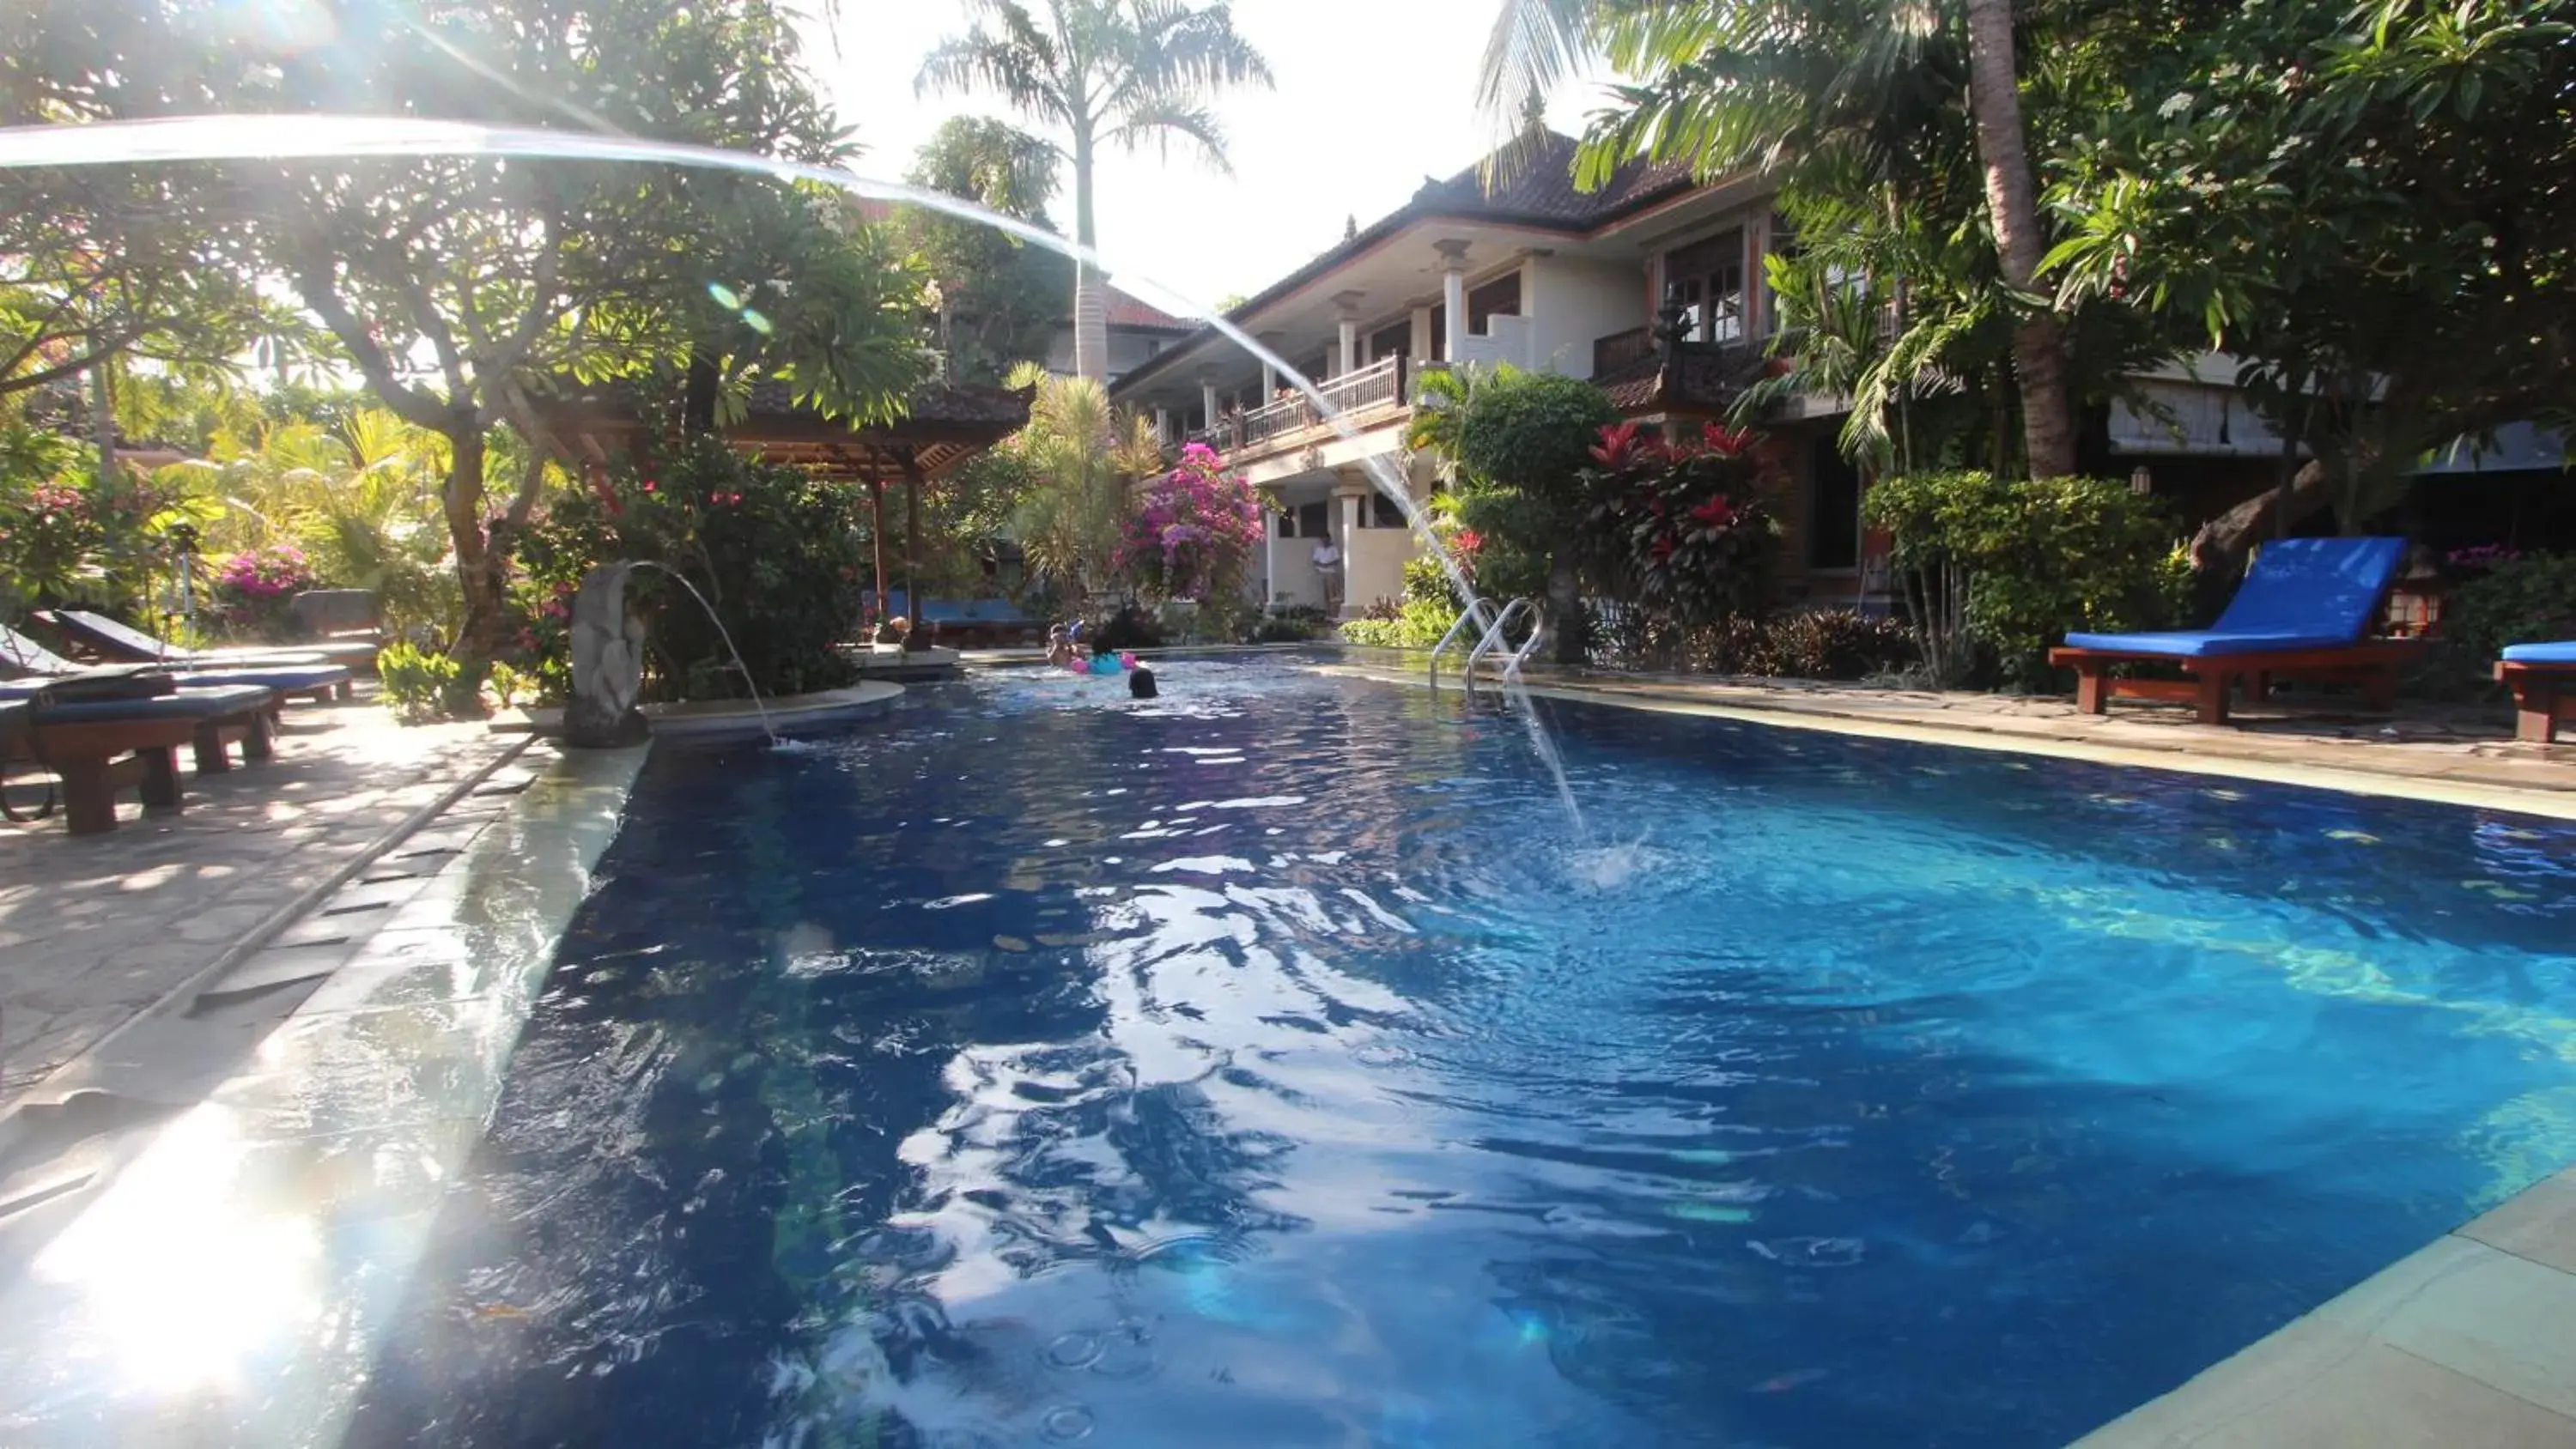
[(1126, 311), (1538, 183)]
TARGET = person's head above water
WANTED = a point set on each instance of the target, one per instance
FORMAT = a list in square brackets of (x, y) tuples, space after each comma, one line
[(1140, 683)]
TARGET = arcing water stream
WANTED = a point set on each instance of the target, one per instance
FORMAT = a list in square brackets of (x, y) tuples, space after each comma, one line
[(332, 137)]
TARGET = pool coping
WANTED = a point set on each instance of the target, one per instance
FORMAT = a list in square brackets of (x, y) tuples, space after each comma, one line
[(2464, 1341), (711, 718), (338, 1129), (2549, 801)]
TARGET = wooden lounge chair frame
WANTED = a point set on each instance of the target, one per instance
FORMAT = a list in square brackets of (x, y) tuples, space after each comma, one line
[(91, 758), (2374, 664), (2542, 698)]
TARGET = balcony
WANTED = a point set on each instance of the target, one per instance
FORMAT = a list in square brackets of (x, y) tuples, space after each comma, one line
[(1363, 398)]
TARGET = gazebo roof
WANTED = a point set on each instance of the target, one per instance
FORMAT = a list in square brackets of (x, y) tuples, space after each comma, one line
[(943, 425)]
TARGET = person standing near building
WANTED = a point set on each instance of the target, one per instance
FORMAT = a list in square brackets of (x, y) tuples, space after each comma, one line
[(1328, 570)]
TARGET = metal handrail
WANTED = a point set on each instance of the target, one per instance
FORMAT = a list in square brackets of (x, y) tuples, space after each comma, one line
[(1477, 611), (1513, 661), (1494, 636)]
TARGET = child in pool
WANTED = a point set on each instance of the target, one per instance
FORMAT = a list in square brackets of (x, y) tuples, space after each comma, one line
[(1059, 646), (1140, 683)]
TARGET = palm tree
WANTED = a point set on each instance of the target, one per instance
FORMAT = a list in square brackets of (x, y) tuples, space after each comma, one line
[(1733, 84), (1079, 459), (1103, 73)]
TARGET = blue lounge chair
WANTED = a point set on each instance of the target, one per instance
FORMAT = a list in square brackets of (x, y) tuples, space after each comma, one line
[(128, 645), (2302, 612), (22, 657), (82, 742), (2539, 676)]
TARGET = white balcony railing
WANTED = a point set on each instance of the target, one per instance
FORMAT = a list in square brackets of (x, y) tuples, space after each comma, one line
[(1371, 389)]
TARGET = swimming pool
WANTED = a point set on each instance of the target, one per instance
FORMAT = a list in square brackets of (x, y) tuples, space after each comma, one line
[(1259, 1066)]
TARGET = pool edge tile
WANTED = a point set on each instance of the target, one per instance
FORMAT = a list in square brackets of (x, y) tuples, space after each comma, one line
[(2459, 1307), (2538, 1223)]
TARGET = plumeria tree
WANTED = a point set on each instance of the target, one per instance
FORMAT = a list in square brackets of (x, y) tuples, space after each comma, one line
[(1193, 532)]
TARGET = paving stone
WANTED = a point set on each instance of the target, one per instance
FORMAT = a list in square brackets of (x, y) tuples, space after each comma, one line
[(92, 930), (2538, 1223), (278, 966)]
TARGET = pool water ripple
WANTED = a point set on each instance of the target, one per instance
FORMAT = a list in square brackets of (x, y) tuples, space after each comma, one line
[(1257, 1066)]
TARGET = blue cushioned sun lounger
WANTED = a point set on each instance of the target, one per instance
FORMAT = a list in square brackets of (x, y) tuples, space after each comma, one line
[(321, 683), (82, 742), (128, 645), (2304, 610), (2543, 680)]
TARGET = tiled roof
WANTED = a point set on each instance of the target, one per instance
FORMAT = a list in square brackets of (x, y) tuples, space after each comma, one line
[(933, 402), (1535, 182), (1698, 380), (1126, 311)]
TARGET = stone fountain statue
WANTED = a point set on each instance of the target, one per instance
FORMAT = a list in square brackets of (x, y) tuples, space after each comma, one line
[(607, 664)]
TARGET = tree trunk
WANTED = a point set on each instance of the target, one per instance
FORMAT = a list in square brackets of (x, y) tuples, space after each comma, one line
[(2219, 548), (1565, 606), (1090, 314), (698, 395), (2048, 421), (478, 568)]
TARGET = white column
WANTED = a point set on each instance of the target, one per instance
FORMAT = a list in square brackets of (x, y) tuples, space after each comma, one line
[(1350, 346), (1207, 402), (1269, 384), (1421, 337), (1269, 561), (1453, 292), (1351, 605), (1163, 425), (1536, 351)]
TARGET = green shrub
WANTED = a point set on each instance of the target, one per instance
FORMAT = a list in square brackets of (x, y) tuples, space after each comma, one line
[(1532, 432), (1132, 627), (775, 552), (1817, 644), (1415, 624), (514, 687), (1681, 529), (416, 681), (1291, 624), (2003, 568), (1837, 644), (2521, 601)]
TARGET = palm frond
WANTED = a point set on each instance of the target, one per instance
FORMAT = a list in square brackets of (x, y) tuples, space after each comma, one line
[(1160, 121)]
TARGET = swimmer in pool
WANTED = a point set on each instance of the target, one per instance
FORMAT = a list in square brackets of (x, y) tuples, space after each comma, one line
[(1140, 683), (1059, 646)]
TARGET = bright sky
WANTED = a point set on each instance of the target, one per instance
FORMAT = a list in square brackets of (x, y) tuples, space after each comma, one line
[(1372, 97)]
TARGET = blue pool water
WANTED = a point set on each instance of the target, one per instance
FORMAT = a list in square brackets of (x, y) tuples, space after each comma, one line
[(1258, 1067)]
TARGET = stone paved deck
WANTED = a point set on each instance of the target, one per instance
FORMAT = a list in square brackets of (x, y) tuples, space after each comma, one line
[(96, 929)]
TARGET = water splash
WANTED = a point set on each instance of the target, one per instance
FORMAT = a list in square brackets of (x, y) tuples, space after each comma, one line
[(316, 136)]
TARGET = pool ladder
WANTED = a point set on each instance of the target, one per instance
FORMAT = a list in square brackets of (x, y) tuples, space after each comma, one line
[(1490, 638)]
